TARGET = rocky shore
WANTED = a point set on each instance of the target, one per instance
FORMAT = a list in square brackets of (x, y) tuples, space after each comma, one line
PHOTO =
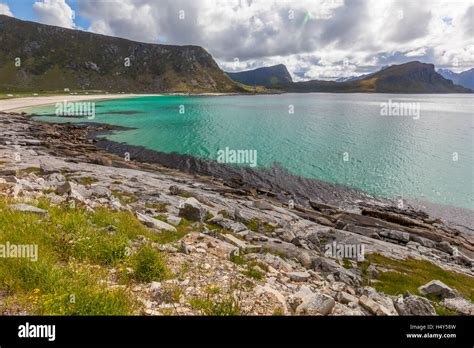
[(265, 256)]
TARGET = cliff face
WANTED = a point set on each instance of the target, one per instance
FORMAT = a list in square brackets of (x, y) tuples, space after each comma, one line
[(271, 76), (412, 77), (54, 58)]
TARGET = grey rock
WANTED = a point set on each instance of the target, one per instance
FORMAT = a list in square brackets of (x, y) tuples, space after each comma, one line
[(299, 276), (413, 305), (46, 169), (285, 235), (151, 222), (396, 235), (446, 247), (100, 191), (317, 304), (192, 210), (437, 288), (26, 208), (427, 243), (346, 298), (262, 205), (459, 305), (175, 190), (174, 220), (296, 299)]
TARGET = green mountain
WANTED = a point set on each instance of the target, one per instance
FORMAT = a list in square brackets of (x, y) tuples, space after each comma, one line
[(272, 76), (412, 77), (54, 58)]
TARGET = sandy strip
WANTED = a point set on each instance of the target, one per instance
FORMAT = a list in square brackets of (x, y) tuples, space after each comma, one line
[(20, 103)]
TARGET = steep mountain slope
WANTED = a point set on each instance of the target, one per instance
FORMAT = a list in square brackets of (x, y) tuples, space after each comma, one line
[(465, 78), (271, 76), (54, 58)]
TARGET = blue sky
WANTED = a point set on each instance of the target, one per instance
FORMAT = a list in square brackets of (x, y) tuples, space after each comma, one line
[(23, 9), (315, 39)]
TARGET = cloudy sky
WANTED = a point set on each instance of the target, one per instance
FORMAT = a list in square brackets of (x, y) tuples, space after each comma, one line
[(315, 39)]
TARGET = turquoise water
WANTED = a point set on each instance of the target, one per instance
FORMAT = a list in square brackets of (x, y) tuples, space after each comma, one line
[(388, 156)]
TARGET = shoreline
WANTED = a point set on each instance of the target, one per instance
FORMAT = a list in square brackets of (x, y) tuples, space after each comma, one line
[(308, 193), (283, 185), (18, 103), (278, 182), (63, 164)]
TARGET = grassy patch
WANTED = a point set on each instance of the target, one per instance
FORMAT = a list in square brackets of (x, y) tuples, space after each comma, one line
[(149, 264), (281, 254), (409, 274), (86, 180), (215, 302), (124, 197), (29, 170), (260, 226), (74, 253), (159, 207), (253, 273), (181, 230)]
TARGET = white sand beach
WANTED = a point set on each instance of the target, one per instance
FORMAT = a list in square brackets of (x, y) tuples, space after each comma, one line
[(20, 103)]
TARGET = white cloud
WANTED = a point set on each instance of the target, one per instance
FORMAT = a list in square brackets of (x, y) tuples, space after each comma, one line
[(416, 53), (54, 12), (316, 39), (5, 10)]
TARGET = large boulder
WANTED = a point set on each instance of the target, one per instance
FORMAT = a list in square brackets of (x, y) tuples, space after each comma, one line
[(299, 276), (191, 209), (399, 236), (154, 223), (437, 288), (459, 305), (413, 305), (317, 304)]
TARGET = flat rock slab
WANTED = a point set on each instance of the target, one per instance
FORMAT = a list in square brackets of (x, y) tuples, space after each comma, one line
[(26, 208), (299, 276), (154, 223)]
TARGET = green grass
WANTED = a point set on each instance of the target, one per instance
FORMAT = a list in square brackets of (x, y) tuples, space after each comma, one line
[(125, 197), (26, 171), (74, 253), (86, 180), (182, 229), (149, 264), (159, 207), (409, 274), (215, 302), (260, 226), (253, 273)]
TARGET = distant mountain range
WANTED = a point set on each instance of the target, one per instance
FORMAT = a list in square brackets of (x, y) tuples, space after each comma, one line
[(412, 77), (54, 58), (271, 76), (42, 58), (465, 78)]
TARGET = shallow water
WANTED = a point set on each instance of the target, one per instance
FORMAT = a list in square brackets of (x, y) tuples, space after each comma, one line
[(338, 138)]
